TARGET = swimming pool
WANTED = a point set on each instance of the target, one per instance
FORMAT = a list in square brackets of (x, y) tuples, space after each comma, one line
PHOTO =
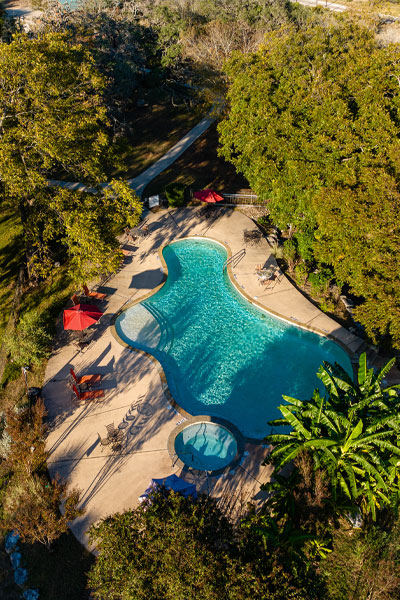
[(221, 355), (206, 446)]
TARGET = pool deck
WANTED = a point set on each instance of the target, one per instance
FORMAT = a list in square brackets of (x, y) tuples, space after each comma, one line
[(134, 391)]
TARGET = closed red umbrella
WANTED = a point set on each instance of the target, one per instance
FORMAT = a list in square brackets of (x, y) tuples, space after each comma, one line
[(80, 316), (209, 196)]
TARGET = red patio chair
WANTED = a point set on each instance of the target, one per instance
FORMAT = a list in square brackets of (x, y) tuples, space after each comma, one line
[(75, 299), (97, 295), (88, 395), (88, 380)]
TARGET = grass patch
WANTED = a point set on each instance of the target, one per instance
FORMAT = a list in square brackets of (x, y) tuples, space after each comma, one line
[(11, 254), (200, 167), (154, 129), (373, 8), (61, 573)]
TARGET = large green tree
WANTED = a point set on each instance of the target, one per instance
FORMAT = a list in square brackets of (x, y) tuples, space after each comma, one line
[(53, 120), (313, 123), (176, 548), (352, 433)]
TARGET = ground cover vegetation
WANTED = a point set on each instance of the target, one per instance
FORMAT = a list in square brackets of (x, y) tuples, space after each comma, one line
[(312, 123)]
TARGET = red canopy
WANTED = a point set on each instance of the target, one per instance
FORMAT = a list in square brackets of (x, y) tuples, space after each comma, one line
[(81, 316), (208, 196)]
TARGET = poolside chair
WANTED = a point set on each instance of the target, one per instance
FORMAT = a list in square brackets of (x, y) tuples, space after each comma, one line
[(87, 380), (103, 441), (88, 395), (96, 295), (274, 279), (75, 299)]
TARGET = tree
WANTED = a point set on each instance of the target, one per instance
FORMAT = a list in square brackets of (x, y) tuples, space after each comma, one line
[(31, 507), (352, 433), (171, 548), (30, 501), (364, 564), (30, 343), (52, 120), (176, 548), (313, 125)]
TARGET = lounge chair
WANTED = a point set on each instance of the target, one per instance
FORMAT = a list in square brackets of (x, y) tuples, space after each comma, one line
[(96, 295), (75, 299), (88, 395), (87, 380), (274, 279)]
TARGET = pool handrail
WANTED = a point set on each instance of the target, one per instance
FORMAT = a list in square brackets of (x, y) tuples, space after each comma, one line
[(235, 259)]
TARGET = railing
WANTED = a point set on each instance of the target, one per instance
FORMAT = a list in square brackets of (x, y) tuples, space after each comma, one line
[(234, 259), (242, 199)]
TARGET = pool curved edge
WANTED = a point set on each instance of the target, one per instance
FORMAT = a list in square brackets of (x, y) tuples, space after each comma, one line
[(164, 383), (240, 441)]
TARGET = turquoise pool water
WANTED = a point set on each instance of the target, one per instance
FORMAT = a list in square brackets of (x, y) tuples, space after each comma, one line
[(221, 355), (206, 446)]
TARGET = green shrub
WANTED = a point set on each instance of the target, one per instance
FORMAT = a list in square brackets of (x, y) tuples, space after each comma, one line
[(11, 372), (327, 305), (30, 342), (304, 245), (175, 193), (265, 222), (290, 252), (301, 273), (320, 280)]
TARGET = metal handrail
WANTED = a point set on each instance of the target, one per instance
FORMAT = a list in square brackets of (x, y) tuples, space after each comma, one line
[(235, 258)]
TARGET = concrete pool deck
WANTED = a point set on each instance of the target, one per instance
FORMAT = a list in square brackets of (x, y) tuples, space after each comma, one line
[(134, 396)]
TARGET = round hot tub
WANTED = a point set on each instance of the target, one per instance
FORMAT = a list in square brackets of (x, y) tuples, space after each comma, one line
[(205, 445)]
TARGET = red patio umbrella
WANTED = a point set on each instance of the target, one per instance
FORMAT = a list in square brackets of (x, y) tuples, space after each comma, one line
[(209, 196), (80, 316)]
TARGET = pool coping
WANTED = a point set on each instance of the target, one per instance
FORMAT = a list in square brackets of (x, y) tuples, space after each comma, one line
[(240, 441), (164, 383)]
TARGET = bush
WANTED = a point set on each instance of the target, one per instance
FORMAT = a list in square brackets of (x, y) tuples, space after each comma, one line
[(290, 252), (175, 193), (320, 280), (30, 342), (301, 273), (11, 372), (305, 243)]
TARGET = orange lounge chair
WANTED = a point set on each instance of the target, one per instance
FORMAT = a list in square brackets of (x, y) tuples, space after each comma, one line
[(88, 395), (88, 380), (97, 295), (75, 299)]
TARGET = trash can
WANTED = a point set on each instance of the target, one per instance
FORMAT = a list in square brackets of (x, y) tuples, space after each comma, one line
[(34, 394)]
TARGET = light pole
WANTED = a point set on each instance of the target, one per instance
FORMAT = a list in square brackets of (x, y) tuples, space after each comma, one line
[(24, 373)]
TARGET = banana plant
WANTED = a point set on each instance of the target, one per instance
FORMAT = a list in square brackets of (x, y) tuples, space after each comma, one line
[(352, 432)]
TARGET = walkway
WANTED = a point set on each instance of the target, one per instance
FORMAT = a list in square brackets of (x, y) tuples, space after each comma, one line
[(135, 399), (141, 181)]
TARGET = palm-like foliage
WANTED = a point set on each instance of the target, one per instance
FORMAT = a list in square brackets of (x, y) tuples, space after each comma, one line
[(352, 432)]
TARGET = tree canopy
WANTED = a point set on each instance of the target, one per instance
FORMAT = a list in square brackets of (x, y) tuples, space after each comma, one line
[(176, 548), (53, 121), (313, 124)]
